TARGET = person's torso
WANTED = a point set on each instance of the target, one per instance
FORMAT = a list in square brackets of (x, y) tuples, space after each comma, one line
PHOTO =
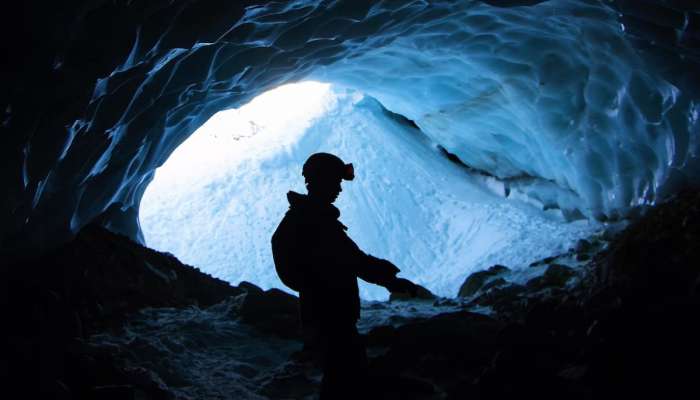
[(317, 248)]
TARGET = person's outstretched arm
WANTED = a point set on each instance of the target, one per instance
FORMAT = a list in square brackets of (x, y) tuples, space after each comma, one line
[(376, 270), (383, 272), (373, 269)]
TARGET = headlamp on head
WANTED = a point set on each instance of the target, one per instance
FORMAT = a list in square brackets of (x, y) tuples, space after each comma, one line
[(321, 166), (349, 172)]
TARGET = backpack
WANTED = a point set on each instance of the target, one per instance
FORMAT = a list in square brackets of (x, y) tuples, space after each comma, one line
[(283, 246)]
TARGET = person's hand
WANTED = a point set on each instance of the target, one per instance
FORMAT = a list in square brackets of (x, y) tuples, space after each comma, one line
[(401, 285)]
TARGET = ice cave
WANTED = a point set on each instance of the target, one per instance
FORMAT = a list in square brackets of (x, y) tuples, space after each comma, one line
[(531, 165)]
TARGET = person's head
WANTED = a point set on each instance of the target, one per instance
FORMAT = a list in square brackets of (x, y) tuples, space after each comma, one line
[(323, 173)]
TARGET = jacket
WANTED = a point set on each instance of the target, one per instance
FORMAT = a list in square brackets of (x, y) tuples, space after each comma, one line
[(314, 255)]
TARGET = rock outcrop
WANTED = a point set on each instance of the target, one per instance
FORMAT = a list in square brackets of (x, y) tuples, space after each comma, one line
[(93, 284), (626, 328), (482, 280)]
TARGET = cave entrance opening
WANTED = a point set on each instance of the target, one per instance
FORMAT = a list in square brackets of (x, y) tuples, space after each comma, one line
[(212, 202), (217, 200)]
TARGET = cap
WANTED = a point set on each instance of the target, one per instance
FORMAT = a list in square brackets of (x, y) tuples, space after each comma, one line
[(326, 165)]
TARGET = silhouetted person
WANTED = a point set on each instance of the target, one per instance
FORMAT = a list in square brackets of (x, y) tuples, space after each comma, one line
[(314, 256)]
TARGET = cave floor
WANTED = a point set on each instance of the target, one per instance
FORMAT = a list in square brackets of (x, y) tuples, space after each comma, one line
[(614, 317), (209, 353)]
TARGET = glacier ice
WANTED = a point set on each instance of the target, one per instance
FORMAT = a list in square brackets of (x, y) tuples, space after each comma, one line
[(217, 200), (557, 100), (554, 92)]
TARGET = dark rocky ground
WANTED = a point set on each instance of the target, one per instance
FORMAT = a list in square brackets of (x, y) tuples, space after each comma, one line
[(623, 325), (626, 325)]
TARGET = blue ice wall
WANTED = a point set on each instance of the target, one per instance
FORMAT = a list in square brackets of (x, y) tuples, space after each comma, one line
[(588, 106), (555, 91)]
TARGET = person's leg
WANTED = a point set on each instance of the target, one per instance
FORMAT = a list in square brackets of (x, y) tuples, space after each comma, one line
[(345, 363), (312, 345)]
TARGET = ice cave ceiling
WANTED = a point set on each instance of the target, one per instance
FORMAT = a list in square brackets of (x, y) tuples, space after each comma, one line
[(595, 100)]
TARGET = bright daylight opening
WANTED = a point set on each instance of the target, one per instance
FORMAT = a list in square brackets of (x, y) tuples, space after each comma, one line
[(218, 198)]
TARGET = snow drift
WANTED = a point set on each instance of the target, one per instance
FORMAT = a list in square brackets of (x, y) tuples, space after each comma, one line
[(217, 200)]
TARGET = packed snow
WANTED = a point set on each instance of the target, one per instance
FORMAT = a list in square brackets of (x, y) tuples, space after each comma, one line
[(218, 198)]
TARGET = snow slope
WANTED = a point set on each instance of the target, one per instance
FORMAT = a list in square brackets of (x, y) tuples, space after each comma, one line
[(217, 200)]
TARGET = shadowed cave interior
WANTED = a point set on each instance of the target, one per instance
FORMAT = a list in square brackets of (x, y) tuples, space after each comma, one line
[(533, 165)]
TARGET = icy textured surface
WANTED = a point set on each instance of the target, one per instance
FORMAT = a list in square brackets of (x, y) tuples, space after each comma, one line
[(204, 354), (217, 200), (553, 91), (210, 354), (558, 94)]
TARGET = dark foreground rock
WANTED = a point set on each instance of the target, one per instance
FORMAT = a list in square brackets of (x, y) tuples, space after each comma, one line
[(478, 280), (93, 284), (421, 294), (622, 326), (627, 328), (272, 311), (103, 277), (556, 275)]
